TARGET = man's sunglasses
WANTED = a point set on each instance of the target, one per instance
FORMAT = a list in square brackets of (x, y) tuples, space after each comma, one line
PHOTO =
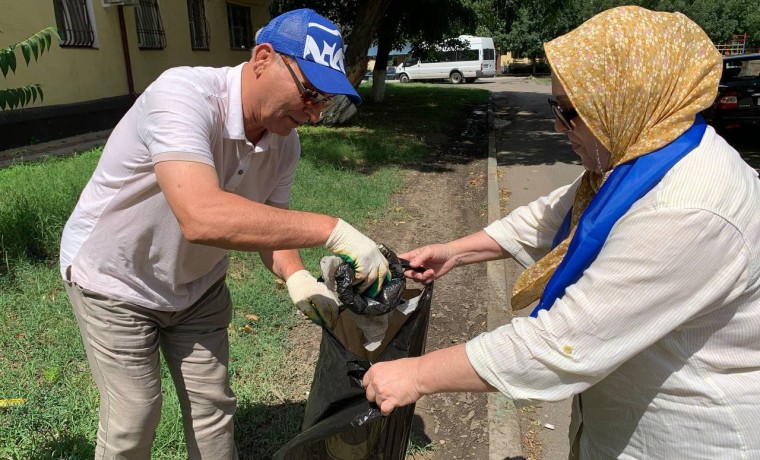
[(309, 97), (564, 115)]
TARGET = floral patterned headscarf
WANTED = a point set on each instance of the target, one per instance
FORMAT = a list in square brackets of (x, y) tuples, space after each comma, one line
[(637, 78)]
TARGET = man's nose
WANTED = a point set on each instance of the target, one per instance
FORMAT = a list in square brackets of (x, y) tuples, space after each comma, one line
[(313, 112)]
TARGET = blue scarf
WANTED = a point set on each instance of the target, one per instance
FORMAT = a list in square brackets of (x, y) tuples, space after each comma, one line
[(625, 185)]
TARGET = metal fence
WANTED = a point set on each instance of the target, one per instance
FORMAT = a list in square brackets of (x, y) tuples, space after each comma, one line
[(737, 45)]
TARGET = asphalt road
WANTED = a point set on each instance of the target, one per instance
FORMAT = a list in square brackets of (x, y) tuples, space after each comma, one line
[(532, 161)]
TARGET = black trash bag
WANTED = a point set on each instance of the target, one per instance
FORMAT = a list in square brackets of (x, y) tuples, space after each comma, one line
[(386, 300), (339, 423)]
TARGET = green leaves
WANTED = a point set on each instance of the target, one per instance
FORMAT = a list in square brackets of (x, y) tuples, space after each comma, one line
[(7, 60), (12, 98), (33, 46)]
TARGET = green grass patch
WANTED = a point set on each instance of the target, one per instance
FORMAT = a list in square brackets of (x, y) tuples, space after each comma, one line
[(348, 171), (545, 80), (35, 201)]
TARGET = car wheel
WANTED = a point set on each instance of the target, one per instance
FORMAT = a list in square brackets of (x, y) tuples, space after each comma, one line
[(455, 78), (403, 78)]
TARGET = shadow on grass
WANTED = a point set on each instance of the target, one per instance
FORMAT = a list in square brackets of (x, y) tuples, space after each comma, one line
[(261, 430), (69, 447), (413, 128), (419, 442), (363, 150)]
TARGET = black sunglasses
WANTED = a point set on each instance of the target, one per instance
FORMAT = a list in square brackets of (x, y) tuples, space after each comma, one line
[(564, 115), (309, 97)]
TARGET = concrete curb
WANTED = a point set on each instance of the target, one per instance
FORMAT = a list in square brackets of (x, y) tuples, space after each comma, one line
[(504, 436)]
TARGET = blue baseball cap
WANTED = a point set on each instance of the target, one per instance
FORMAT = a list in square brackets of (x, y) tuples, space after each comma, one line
[(315, 43)]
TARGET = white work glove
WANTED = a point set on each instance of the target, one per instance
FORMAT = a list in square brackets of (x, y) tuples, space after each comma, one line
[(370, 266), (313, 298)]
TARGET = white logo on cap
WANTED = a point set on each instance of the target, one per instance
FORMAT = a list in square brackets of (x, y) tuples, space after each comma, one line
[(327, 54)]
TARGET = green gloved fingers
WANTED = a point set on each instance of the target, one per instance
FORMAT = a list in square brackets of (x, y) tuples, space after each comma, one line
[(374, 289), (370, 266)]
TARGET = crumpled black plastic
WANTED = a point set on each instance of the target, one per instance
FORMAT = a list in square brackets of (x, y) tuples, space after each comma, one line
[(386, 300), (339, 421)]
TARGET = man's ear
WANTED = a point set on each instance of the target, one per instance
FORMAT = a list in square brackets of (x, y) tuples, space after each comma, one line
[(262, 56)]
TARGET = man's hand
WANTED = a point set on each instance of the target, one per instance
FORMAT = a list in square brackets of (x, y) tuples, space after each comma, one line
[(313, 298), (392, 384), (370, 266)]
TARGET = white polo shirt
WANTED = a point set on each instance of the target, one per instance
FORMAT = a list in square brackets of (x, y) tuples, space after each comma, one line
[(122, 240)]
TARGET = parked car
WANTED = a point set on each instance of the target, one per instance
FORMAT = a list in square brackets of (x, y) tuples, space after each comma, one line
[(738, 102), (390, 74)]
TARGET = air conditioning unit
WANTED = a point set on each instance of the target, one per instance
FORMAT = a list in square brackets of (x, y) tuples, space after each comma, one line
[(121, 2)]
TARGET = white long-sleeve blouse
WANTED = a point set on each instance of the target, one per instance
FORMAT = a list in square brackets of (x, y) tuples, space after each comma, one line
[(660, 336)]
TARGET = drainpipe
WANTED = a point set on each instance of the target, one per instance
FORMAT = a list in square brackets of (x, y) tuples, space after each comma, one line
[(125, 50)]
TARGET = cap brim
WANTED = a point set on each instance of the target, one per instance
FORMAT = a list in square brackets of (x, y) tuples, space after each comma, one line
[(327, 80)]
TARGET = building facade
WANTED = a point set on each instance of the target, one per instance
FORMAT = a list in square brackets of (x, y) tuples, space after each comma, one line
[(109, 51)]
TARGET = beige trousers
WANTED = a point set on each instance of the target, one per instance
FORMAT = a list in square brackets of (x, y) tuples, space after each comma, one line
[(122, 342)]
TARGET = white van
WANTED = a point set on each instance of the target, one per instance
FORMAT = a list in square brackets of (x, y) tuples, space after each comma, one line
[(456, 66)]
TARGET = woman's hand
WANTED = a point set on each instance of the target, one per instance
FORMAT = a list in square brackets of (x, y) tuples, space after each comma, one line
[(392, 384), (438, 259)]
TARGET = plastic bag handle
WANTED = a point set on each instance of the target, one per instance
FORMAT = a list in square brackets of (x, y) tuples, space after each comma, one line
[(405, 266)]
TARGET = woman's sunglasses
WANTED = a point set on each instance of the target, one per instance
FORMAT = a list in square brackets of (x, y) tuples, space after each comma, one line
[(565, 116), (309, 97)]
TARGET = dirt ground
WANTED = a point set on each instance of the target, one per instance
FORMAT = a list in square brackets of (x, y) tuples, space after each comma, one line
[(444, 198)]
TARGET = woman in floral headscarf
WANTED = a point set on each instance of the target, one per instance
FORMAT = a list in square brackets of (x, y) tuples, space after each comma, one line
[(649, 292)]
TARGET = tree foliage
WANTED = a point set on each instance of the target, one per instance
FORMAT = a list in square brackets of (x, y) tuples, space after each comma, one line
[(522, 26), (358, 19), (721, 19), (389, 24), (422, 23), (33, 46)]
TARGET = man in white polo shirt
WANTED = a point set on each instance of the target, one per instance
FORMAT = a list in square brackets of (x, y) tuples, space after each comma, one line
[(201, 164)]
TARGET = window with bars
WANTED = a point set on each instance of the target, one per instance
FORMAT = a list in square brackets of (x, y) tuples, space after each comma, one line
[(150, 30), (74, 24), (239, 22), (199, 31)]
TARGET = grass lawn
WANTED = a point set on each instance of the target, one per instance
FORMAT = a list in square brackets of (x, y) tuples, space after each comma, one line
[(349, 171)]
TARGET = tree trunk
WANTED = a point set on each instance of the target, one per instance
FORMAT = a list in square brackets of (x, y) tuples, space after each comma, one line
[(385, 38), (365, 27), (384, 43), (358, 41)]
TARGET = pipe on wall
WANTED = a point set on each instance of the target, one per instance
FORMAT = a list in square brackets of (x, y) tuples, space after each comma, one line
[(125, 50)]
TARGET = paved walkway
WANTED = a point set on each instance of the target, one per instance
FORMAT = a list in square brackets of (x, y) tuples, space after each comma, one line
[(61, 147), (527, 159)]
